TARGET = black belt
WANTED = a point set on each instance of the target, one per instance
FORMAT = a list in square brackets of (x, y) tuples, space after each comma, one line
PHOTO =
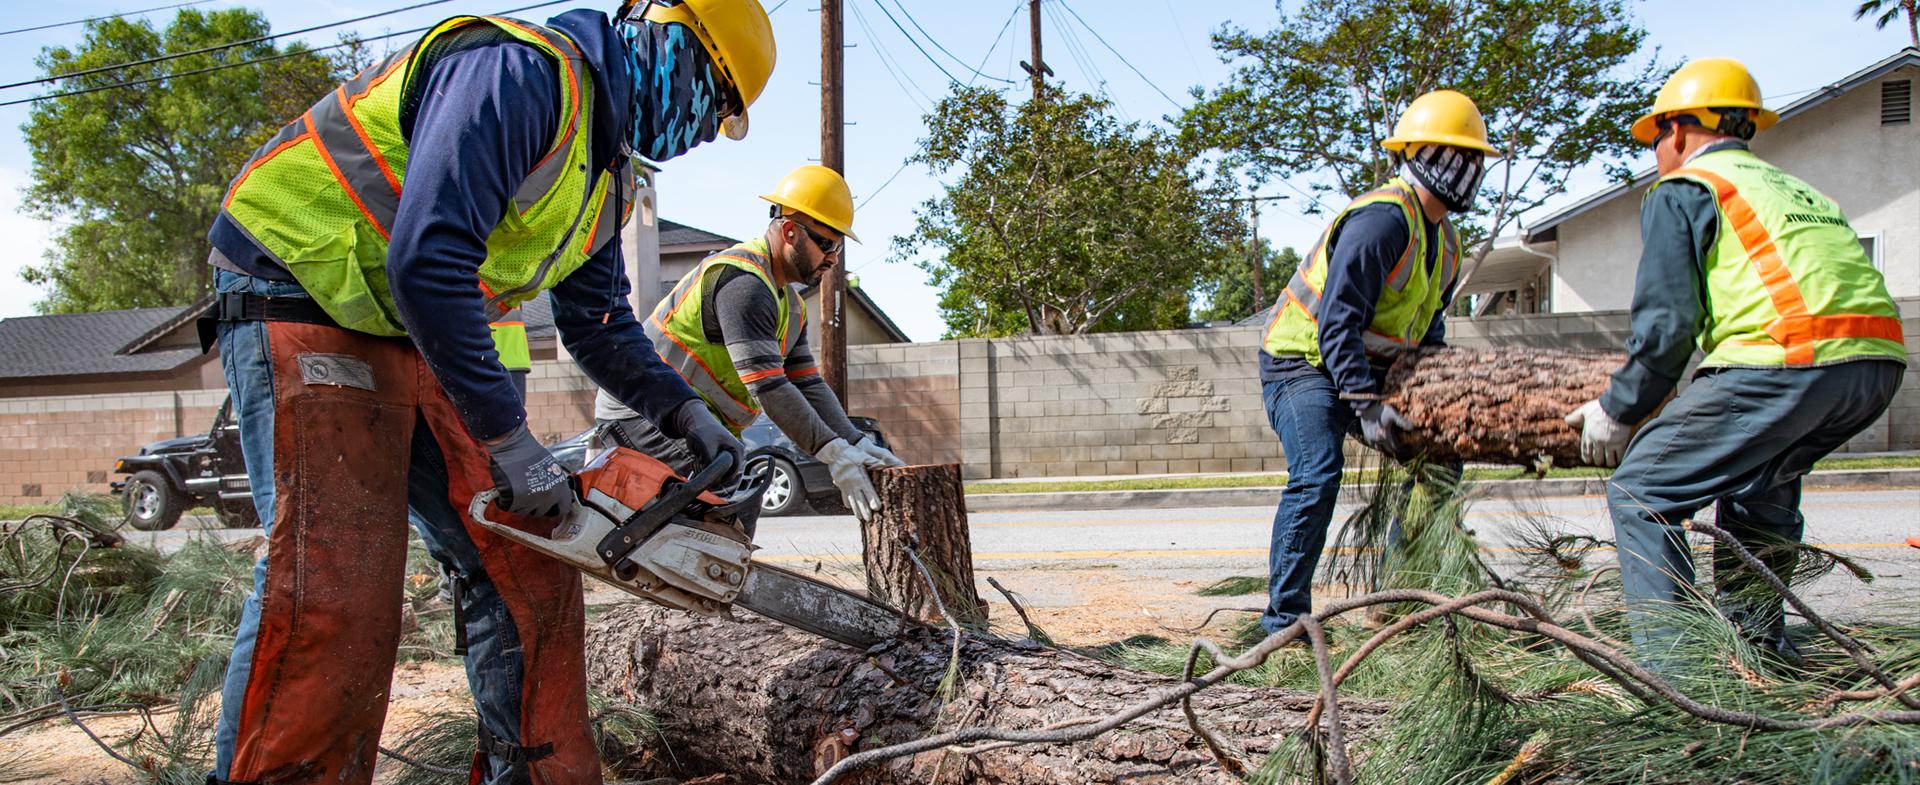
[(250, 307)]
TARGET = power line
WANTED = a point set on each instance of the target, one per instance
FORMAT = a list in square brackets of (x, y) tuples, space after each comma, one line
[(217, 48), (281, 56), (996, 41), (776, 7), (915, 42), (880, 51), (935, 41), (102, 18), (1116, 53)]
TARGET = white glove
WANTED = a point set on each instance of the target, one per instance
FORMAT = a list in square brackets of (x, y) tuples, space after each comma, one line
[(874, 455), (848, 466), (1602, 439)]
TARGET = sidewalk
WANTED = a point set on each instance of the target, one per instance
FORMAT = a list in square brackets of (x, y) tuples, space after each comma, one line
[(1007, 497)]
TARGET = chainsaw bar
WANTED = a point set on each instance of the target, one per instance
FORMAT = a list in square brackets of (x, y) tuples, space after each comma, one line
[(820, 608)]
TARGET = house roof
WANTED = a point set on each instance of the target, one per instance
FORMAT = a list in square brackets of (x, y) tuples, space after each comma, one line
[(672, 234), (1904, 57), (87, 343)]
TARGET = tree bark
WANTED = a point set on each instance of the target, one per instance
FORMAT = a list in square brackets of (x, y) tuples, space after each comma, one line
[(1504, 405), (924, 505), (766, 704)]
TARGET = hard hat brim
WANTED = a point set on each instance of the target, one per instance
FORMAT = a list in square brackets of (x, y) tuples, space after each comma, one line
[(1647, 127), (834, 225), (1397, 143)]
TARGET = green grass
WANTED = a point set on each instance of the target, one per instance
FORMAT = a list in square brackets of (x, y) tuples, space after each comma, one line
[(1276, 479)]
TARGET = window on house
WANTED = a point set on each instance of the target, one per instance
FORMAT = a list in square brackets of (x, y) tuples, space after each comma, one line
[(1871, 244), (1896, 102)]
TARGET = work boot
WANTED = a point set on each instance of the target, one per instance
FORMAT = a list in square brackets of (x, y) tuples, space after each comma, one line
[(1763, 623)]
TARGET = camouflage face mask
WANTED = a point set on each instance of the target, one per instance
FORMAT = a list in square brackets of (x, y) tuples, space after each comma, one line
[(675, 103)]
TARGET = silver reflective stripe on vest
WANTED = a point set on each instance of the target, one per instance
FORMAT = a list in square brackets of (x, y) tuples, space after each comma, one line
[(796, 319), (1303, 292), (357, 164), (610, 219), (547, 172), (698, 377)]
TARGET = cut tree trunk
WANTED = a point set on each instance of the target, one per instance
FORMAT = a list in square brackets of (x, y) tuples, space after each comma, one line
[(927, 506), (1504, 405), (766, 704)]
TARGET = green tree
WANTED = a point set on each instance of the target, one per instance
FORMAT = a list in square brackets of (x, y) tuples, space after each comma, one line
[(1062, 220), (135, 175), (1311, 99), (1884, 12), (1227, 283)]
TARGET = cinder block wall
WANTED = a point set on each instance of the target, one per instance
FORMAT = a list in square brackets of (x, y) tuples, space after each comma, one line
[(50, 445)]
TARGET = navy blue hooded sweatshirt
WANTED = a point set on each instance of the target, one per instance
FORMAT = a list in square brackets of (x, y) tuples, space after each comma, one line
[(487, 114)]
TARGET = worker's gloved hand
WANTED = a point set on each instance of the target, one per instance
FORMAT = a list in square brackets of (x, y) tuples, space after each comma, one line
[(1379, 427), (528, 478), (848, 466), (708, 439), (1602, 439), (872, 454)]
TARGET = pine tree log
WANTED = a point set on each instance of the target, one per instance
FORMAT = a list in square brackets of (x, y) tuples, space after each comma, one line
[(925, 506), (765, 704), (1505, 405)]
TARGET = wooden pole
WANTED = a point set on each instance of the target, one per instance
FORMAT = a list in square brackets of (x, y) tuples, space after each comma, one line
[(833, 288), (924, 508)]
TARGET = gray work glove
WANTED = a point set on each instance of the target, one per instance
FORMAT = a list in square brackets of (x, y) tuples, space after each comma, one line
[(1379, 424), (848, 466), (708, 439), (1603, 440), (876, 456), (528, 478)]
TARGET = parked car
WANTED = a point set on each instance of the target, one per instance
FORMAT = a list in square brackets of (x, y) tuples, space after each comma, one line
[(799, 480), (171, 476)]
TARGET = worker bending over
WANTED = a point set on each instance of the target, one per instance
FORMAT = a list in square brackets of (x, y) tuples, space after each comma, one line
[(736, 329), (1803, 350), (361, 255), (1378, 281)]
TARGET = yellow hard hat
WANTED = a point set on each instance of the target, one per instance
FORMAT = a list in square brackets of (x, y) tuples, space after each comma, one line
[(1700, 87), (818, 193), (1441, 117), (739, 38)]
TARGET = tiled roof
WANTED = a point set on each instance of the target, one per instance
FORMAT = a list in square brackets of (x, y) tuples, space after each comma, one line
[(672, 234), (85, 343)]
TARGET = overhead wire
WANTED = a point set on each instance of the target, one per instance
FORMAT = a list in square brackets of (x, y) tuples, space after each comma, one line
[(102, 17), (996, 42), (216, 48), (1116, 53), (885, 57), (936, 41), (915, 42), (256, 61)]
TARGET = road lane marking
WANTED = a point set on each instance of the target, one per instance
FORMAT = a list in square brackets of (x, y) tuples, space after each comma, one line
[(1168, 553)]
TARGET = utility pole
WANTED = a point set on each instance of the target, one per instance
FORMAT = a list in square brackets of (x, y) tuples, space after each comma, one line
[(833, 289), (1038, 68), (1253, 247)]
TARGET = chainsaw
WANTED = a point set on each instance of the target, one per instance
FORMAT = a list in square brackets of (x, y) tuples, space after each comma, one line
[(641, 528)]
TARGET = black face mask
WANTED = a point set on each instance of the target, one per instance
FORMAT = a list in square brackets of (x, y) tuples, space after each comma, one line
[(1453, 174)]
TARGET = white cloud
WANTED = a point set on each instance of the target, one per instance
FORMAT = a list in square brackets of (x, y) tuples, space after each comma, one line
[(25, 241)]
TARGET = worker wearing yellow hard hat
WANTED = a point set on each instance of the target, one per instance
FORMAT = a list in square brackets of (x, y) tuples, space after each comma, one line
[(1804, 349), (360, 256), (1377, 282), (736, 329)]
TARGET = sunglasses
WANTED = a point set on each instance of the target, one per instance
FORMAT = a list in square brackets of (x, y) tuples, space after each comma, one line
[(828, 246)]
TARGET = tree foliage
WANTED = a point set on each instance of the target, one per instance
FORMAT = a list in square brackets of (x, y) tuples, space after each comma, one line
[(1063, 219), (1310, 100), (1884, 12), (135, 175), (1227, 283)]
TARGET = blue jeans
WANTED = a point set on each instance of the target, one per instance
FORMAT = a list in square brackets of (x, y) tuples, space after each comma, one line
[(1311, 420), (1739, 438)]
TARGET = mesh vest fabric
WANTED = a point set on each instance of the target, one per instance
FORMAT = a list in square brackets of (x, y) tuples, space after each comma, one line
[(320, 197), (1413, 293), (1787, 281), (678, 333)]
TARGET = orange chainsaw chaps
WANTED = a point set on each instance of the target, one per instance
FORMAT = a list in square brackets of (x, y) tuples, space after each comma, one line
[(631, 477)]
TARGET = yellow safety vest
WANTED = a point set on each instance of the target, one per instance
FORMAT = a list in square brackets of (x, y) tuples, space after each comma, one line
[(320, 196), (1787, 281), (1412, 296), (677, 328)]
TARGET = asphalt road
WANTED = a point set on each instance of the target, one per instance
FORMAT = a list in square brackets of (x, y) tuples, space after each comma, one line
[(1208, 543)]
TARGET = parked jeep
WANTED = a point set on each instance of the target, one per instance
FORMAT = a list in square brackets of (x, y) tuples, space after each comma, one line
[(172, 476)]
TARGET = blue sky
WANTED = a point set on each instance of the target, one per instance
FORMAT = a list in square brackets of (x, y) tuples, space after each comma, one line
[(1793, 46)]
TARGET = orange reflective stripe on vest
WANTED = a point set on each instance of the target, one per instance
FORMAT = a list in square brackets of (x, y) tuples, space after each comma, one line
[(1796, 329)]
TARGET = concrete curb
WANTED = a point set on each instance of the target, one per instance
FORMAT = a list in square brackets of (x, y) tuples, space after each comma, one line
[(1268, 496)]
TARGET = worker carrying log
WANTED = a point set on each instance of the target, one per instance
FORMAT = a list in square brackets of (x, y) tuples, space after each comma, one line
[(1378, 281), (736, 329), (360, 256), (1803, 350)]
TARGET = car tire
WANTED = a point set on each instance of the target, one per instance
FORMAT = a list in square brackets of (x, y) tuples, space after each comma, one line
[(151, 504), (785, 494)]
